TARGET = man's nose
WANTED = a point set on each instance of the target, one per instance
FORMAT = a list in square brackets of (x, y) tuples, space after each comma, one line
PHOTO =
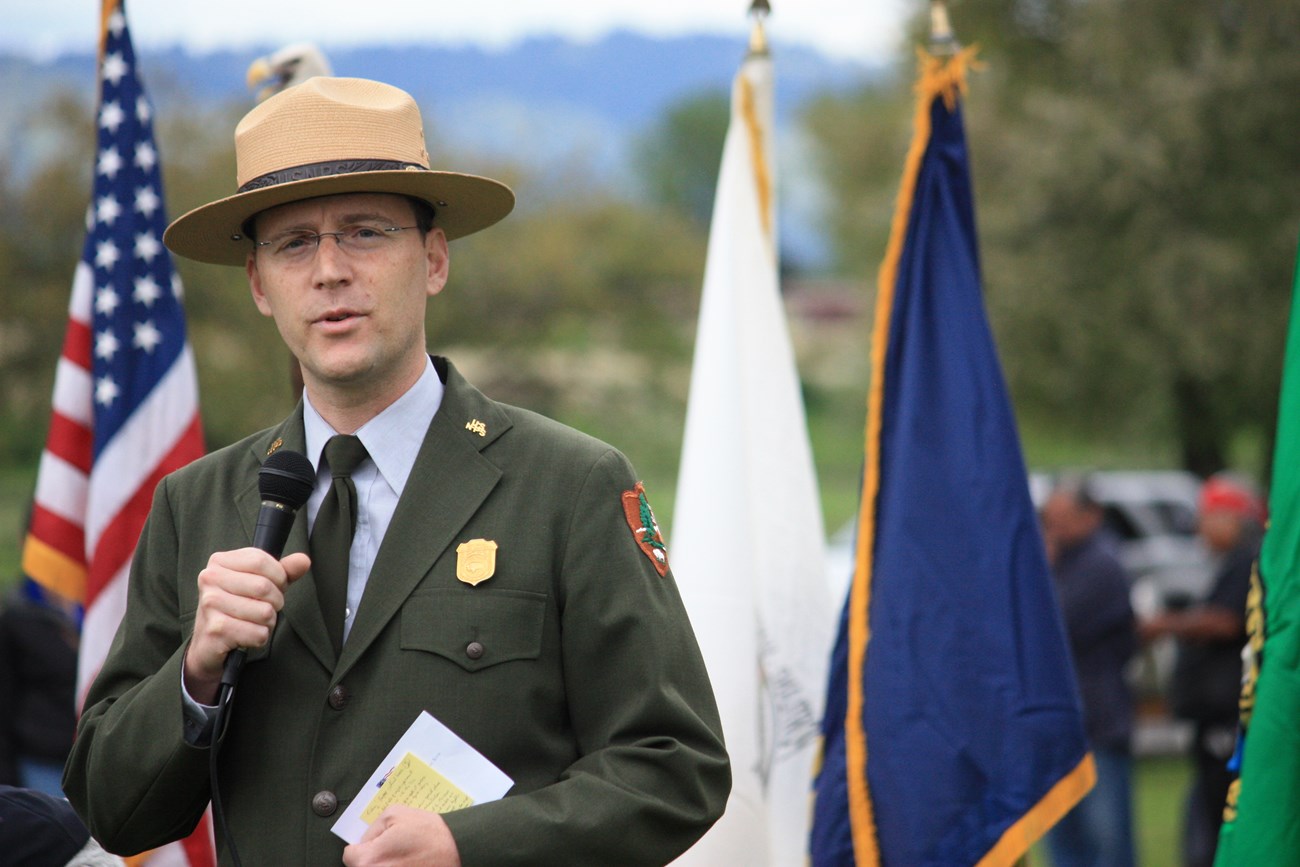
[(331, 262)]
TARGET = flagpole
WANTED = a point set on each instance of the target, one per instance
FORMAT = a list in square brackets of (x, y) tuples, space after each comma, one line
[(758, 10)]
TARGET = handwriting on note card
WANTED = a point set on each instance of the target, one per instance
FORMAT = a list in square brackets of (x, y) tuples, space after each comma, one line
[(419, 772), (413, 783)]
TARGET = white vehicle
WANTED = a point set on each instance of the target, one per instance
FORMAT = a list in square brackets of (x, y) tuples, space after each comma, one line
[(1153, 516)]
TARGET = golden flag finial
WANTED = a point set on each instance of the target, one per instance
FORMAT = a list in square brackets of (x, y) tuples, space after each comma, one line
[(759, 9), (943, 43)]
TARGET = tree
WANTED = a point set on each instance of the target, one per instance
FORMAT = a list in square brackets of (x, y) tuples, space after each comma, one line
[(677, 160), (1138, 198)]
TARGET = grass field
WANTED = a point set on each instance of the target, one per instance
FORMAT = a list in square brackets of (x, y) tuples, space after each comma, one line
[(1161, 787)]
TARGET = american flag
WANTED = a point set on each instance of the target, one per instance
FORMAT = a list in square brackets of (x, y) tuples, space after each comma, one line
[(125, 409)]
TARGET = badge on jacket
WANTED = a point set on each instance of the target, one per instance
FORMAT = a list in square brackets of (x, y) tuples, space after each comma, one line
[(476, 561), (645, 529)]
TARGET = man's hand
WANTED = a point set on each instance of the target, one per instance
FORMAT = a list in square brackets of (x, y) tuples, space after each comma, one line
[(240, 594), (404, 837)]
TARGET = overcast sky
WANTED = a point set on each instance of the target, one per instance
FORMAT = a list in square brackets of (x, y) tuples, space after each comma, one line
[(863, 30)]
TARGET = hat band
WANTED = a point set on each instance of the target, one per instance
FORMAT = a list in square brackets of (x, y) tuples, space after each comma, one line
[(327, 169)]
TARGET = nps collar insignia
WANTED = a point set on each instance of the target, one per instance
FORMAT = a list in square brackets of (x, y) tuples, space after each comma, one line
[(645, 529), (476, 561)]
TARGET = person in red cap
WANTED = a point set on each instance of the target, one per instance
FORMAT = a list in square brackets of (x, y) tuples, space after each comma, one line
[(1210, 634)]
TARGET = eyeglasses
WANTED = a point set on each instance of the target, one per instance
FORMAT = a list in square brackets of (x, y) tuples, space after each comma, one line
[(292, 248)]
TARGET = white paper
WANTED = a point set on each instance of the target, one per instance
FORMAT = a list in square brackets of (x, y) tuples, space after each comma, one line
[(441, 749)]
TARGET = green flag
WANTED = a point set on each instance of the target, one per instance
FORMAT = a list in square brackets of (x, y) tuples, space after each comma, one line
[(1262, 817)]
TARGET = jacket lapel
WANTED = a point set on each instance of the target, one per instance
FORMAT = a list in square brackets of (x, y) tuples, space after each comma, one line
[(449, 482), (301, 610)]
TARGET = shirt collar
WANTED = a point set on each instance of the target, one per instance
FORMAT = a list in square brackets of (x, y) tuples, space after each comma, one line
[(392, 438)]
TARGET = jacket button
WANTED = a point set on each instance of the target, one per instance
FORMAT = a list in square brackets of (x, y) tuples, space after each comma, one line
[(324, 803), (474, 650), (338, 697)]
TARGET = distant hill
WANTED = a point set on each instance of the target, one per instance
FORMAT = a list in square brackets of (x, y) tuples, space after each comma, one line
[(539, 101)]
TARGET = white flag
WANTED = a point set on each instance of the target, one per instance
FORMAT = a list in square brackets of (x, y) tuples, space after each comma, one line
[(748, 544)]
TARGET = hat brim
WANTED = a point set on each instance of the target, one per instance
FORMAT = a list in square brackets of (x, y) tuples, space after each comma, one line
[(463, 204)]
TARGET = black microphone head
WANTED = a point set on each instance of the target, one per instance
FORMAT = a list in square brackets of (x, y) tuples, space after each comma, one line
[(286, 478)]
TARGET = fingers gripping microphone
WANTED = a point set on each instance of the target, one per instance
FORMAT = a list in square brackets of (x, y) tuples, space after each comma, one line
[(285, 482)]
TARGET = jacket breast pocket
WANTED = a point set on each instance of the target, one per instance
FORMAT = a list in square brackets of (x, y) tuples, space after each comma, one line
[(475, 630)]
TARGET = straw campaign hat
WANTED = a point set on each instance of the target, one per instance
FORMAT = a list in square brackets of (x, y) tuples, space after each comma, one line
[(328, 136)]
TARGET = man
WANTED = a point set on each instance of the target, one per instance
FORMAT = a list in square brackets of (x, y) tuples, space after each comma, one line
[(1206, 681), (557, 647), (1093, 591)]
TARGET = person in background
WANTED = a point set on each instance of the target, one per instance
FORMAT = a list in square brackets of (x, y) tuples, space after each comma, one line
[(1210, 635), (38, 679), (1093, 590)]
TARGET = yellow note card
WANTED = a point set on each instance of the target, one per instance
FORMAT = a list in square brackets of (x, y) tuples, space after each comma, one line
[(413, 783)]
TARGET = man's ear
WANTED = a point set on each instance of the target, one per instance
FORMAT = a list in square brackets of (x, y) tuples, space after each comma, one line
[(439, 259), (255, 285)]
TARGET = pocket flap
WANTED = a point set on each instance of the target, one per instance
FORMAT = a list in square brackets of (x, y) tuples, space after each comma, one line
[(475, 629)]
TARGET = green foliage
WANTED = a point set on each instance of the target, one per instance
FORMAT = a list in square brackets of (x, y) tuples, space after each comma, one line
[(1138, 197), (861, 140), (678, 159), (41, 231)]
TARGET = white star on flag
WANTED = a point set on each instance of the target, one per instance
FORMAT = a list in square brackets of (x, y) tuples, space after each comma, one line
[(146, 336), (110, 161), (107, 210), (111, 116), (106, 255), (106, 301), (142, 111), (146, 201), (106, 391), (106, 345), (114, 68), (145, 156), (146, 291), (146, 246)]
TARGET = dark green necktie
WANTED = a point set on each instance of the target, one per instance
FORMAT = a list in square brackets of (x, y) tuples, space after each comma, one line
[(331, 536)]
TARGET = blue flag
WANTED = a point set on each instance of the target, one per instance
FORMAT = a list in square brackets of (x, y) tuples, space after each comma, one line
[(953, 733)]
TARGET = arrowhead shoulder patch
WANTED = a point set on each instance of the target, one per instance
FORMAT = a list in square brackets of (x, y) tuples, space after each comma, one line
[(645, 529)]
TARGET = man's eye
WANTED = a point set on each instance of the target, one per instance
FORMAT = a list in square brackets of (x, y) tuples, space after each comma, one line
[(367, 232), (293, 242)]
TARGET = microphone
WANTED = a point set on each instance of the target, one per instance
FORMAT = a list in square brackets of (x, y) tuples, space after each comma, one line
[(284, 482)]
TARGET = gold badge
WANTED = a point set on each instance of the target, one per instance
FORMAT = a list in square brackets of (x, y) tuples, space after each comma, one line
[(274, 446), (476, 561), (476, 426)]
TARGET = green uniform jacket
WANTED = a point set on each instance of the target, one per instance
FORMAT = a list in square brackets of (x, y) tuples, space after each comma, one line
[(585, 684)]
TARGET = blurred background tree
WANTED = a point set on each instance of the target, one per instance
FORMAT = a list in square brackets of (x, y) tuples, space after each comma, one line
[(677, 159), (1138, 196)]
